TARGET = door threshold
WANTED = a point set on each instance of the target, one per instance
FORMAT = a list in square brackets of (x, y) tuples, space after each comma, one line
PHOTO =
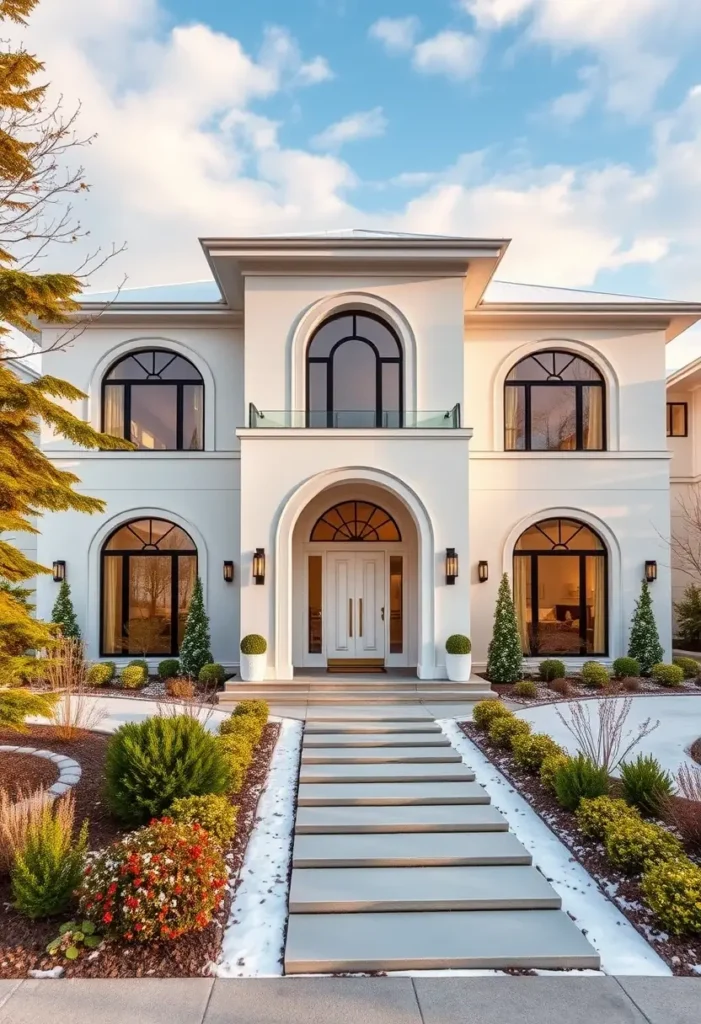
[(359, 666)]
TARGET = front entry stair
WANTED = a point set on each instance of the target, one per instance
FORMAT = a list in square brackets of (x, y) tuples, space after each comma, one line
[(400, 862), (352, 689)]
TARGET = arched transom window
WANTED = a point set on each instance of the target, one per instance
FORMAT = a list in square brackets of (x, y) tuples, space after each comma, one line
[(356, 521), (155, 398), (354, 373), (561, 589), (554, 401), (148, 572)]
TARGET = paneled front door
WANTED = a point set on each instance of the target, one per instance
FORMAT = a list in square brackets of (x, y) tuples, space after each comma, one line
[(355, 613)]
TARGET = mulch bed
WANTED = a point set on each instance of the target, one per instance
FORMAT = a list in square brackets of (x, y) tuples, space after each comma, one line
[(25, 773), (615, 688), (695, 750), (681, 954), (23, 942)]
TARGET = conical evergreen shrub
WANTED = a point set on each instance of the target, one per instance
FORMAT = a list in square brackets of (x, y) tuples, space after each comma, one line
[(63, 613), (505, 659), (644, 644), (195, 647)]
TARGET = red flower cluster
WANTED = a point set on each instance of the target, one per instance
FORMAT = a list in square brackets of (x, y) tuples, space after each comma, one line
[(158, 883)]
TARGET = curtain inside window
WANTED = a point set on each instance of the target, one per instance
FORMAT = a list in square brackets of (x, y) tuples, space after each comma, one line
[(522, 583), (593, 431), (114, 410), (112, 639), (599, 603), (511, 396)]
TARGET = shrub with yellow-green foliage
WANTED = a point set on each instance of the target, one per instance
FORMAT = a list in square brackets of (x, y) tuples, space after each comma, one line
[(17, 704), (503, 731), (257, 708), (667, 675), (237, 750), (214, 812), (689, 666), (101, 673), (133, 677), (484, 713), (526, 688), (531, 750), (551, 766), (672, 891), (634, 846), (596, 814)]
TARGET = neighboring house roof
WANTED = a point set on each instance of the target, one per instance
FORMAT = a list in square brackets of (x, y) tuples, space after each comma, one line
[(687, 378)]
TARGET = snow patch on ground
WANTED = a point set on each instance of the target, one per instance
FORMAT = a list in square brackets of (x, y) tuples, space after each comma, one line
[(621, 948), (254, 936)]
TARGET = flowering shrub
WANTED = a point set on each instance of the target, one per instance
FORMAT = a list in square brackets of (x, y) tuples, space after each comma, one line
[(216, 814), (158, 883)]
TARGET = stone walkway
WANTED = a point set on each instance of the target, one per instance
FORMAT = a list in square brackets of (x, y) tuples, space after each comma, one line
[(401, 863)]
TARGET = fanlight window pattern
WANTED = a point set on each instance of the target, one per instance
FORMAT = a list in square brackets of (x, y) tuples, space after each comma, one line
[(149, 568), (354, 374), (554, 401), (356, 521), (155, 398), (561, 589)]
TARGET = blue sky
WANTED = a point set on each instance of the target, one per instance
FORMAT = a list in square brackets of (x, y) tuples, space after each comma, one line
[(572, 126)]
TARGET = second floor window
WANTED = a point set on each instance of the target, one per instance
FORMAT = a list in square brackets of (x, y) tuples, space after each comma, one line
[(677, 419), (155, 398), (554, 401), (354, 373)]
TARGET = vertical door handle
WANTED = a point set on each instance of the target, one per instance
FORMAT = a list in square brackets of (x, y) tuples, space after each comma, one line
[(382, 613), (360, 602), (350, 616)]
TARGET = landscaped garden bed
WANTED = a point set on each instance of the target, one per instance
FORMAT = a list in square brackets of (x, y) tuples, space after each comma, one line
[(647, 865)]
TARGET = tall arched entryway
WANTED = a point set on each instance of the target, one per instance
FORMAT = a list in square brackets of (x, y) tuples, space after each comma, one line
[(561, 589)]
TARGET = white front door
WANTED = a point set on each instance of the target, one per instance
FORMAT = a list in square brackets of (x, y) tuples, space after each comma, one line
[(355, 589)]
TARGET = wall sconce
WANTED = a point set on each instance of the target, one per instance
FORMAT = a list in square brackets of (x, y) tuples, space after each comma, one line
[(483, 571), (259, 566), (651, 571), (228, 572), (59, 572), (451, 566)]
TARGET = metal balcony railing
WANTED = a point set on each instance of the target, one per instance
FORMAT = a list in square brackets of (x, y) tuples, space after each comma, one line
[(361, 419)]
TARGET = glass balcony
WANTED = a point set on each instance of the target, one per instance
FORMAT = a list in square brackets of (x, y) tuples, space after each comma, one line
[(299, 419)]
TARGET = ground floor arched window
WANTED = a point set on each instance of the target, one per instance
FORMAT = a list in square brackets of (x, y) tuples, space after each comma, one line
[(561, 589), (148, 570)]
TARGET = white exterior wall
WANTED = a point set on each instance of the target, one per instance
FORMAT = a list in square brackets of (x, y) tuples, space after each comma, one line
[(685, 479)]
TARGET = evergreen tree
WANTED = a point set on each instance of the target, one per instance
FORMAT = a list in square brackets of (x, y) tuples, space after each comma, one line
[(504, 658), (63, 614), (644, 644), (195, 648), (688, 613), (33, 139)]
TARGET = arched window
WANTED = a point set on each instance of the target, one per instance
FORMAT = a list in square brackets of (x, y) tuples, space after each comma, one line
[(561, 589), (356, 521), (354, 373), (155, 398), (554, 401), (148, 572)]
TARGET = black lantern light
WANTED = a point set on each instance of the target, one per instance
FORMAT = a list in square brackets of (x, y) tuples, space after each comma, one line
[(259, 566), (229, 572), (651, 571), (483, 571), (59, 571), (451, 566)]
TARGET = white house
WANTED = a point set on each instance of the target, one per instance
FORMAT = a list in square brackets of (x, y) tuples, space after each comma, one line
[(323, 426)]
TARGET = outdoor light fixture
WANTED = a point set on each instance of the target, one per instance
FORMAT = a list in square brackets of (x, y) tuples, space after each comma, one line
[(451, 566), (651, 571), (59, 572), (259, 566), (483, 571), (229, 572)]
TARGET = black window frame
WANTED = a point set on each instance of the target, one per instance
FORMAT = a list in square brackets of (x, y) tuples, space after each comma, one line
[(559, 550), (578, 387), (379, 363), (355, 522), (178, 383), (670, 419), (148, 550)]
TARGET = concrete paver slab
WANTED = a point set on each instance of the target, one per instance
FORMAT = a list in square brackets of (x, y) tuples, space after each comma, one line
[(418, 848), (433, 772), (311, 794), (369, 726), (354, 890), (360, 712), (109, 1001), (432, 941), (665, 1000), (7, 987), (423, 818), (396, 739), (378, 755)]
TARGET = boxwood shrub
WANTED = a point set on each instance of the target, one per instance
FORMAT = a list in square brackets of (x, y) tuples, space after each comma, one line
[(596, 814), (672, 890), (169, 668), (503, 731), (254, 643), (595, 674), (531, 750), (667, 675), (526, 688), (633, 846), (484, 713), (689, 666), (458, 644), (552, 668), (626, 668)]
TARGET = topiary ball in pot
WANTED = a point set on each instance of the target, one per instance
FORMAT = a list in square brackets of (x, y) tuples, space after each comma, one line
[(253, 658), (458, 658)]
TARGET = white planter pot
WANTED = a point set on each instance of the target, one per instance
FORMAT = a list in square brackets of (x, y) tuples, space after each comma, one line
[(458, 667), (252, 667)]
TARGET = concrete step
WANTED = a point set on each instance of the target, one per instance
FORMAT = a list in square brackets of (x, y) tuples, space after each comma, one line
[(477, 940), (389, 819), (374, 713), (340, 728), (433, 772), (427, 849), (336, 794), (379, 755), (380, 739), (232, 697), (356, 890)]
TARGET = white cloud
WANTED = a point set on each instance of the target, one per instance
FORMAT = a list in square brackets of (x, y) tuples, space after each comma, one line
[(365, 124), (454, 54), (397, 34), (314, 71)]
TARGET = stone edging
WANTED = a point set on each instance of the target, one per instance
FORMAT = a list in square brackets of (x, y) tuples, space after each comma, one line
[(69, 771)]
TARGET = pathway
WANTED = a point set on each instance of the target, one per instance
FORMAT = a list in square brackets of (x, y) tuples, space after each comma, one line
[(400, 861)]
